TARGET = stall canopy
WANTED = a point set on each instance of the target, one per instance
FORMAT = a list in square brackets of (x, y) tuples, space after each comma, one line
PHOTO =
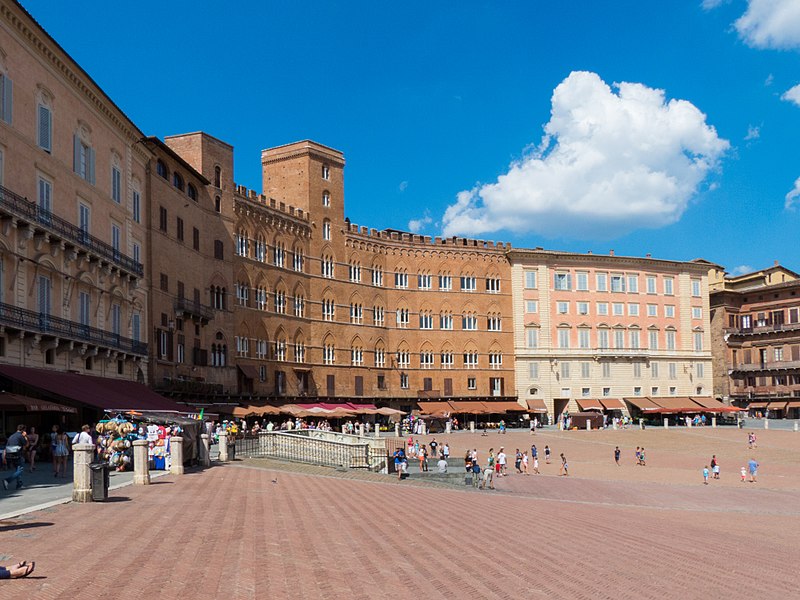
[(469, 408), (435, 408), (713, 405), (792, 405), (536, 405), (612, 403), (777, 405), (503, 407), (243, 411), (757, 405), (587, 404), (643, 403), (28, 404), (99, 392), (677, 404)]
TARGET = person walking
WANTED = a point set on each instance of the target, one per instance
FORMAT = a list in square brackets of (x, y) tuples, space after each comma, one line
[(743, 472), (53, 434), (753, 467), (399, 458), (534, 451), (705, 475), (642, 458), (446, 451), (33, 446), (547, 454), (564, 467), (616, 455), (423, 458), (434, 446), (16, 448), (501, 462), (518, 461), (536, 465), (638, 456)]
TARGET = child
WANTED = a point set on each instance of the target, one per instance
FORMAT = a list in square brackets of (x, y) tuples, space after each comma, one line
[(536, 465), (705, 475), (547, 454), (744, 474)]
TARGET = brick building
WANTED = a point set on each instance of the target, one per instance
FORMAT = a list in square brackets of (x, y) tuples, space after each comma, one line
[(595, 329), (756, 339)]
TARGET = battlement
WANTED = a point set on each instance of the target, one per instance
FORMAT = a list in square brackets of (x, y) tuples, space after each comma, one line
[(253, 196), (393, 235)]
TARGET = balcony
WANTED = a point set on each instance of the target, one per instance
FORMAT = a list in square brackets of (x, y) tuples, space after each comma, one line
[(193, 309), (13, 317), (783, 365), (763, 329), (16, 206), (621, 352)]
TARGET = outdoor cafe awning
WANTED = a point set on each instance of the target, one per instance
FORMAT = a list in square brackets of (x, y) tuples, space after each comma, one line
[(469, 408), (536, 405), (612, 403), (777, 405), (643, 403), (792, 405), (503, 407), (676, 404), (18, 402), (757, 405), (713, 405), (589, 404), (435, 408)]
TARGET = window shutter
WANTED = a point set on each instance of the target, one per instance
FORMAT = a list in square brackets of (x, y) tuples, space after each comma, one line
[(7, 97), (170, 344), (90, 165), (76, 153)]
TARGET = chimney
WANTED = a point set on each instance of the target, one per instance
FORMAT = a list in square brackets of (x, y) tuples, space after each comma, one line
[(611, 252)]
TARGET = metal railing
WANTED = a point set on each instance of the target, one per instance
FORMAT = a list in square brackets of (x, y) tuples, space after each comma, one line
[(28, 320), (766, 328), (767, 366), (297, 447), (30, 211), (194, 308)]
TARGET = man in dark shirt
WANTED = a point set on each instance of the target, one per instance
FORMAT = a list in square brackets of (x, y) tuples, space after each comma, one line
[(15, 451), (616, 455)]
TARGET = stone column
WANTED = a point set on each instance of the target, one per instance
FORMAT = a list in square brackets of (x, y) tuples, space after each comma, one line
[(82, 475), (588, 424), (205, 450), (223, 447), (666, 423), (141, 463), (176, 455)]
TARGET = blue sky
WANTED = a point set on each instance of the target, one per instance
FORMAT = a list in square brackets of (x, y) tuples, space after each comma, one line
[(431, 103)]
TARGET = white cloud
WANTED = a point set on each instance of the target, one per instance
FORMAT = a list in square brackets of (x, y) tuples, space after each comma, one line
[(792, 197), (403, 185), (768, 81), (611, 161), (712, 4), (417, 225), (792, 95), (742, 269), (770, 24), (753, 133)]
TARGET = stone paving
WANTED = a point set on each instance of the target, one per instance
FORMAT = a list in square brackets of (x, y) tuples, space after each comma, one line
[(258, 529)]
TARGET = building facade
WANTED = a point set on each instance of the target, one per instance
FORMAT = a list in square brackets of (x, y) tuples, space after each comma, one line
[(591, 327), (72, 246), (756, 339)]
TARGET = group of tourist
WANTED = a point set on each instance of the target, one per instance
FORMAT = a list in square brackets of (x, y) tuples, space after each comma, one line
[(25, 445)]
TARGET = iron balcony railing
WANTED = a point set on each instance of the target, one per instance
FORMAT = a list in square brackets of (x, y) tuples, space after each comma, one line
[(767, 366), (23, 208), (194, 308), (766, 328), (28, 320)]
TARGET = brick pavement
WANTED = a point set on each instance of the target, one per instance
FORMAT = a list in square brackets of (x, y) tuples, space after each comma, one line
[(230, 532)]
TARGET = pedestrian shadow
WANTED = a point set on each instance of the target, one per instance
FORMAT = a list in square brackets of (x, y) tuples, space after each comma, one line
[(14, 526)]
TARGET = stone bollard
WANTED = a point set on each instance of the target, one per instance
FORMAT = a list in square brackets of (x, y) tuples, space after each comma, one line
[(205, 450), (397, 430), (689, 423), (666, 423), (449, 427), (713, 421), (223, 447), (361, 429), (141, 463), (82, 475), (344, 428), (472, 426), (641, 423), (588, 425), (615, 426), (423, 428), (766, 423), (377, 431), (796, 428), (176, 455)]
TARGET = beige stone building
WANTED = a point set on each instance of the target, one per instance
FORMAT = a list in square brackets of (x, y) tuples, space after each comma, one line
[(591, 328), (72, 214), (756, 339)]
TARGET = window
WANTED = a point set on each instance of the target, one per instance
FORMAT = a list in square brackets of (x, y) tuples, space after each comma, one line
[(261, 298), (217, 177), (637, 391), (44, 132), (495, 360), (219, 250), (563, 338), (401, 280), (447, 360), (402, 317), (586, 369), (445, 283), (83, 159), (278, 254), (530, 280), (45, 196), (607, 391), (617, 283), (191, 191), (196, 238), (84, 310), (471, 360), (494, 323), (697, 312), (356, 357), (326, 230), (618, 309), (654, 390), (424, 282), (564, 370), (699, 369), (354, 272), (84, 219), (562, 281), (328, 310), (531, 306), (673, 390), (493, 285), (280, 302), (180, 229), (426, 320), (136, 326), (583, 338), (299, 352), (696, 288), (162, 218), (403, 381), (328, 354), (326, 172), (297, 260), (602, 309), (261, 349), (242, 293), (670, 340), (377, 276), (562, 308), (115, 239), (532, 337), (403, 359), (217, 204), (672, 368), (668, 285), (585, 392), (378, 315), (652, 310), (653, 339), (602, 339), (116, 184), (634, 336), (669, 311), (469, 322), (472, 383), (242, 243), (326, 199), (582, 281), (243, 346), (6, 98), (356, 313), (533, 370), (327, 267), (633, 310), (698, 342), (218, 297), (426, 360), (633, 284), (164, 282), (136, 206), (299, 306), (583, 308), (651, 284), (637, 370), (380, 357), (619, 339), (653, 369), (602, 282), (446, 321), (606, 370), (468, 283)]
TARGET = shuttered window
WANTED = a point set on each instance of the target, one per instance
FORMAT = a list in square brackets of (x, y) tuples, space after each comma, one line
[(45, 128), (6, 96), (83, 159)]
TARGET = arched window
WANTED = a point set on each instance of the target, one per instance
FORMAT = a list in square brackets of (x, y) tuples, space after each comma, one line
[(177, 180), (218, 204), (217, 177), (161, 169), (326, 230), (191, 191)]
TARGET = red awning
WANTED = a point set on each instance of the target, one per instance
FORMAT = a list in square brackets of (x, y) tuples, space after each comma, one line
[(99, 392), (757, 405), (504, 407), (28, 404), (676, 404), (435, 408), (536, 405), (612, 403), (469, 407), (587, 404)]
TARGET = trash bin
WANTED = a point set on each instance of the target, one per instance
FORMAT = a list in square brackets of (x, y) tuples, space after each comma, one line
[(100, 475), (232, 451)]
